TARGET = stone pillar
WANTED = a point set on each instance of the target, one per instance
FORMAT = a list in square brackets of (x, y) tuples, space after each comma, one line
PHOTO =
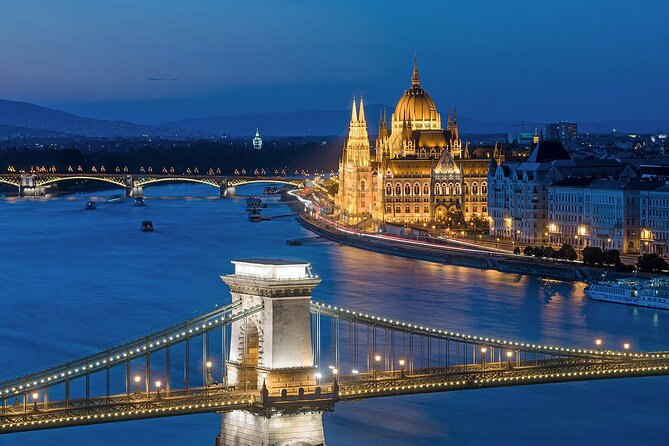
[(272, 347), (134, 191), (241, 428), (227, 192)]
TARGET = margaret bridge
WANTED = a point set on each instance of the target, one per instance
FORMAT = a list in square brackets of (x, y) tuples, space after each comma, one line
[(38, 184), (273, 360)]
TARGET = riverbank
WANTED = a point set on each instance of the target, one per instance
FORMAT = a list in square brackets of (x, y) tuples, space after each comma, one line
[(508, 263)]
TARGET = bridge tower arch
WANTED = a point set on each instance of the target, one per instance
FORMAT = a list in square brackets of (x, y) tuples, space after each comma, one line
[(272, 350)]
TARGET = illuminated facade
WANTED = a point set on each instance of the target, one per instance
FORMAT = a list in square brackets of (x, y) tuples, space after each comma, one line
[(257, 141), (420, 173)]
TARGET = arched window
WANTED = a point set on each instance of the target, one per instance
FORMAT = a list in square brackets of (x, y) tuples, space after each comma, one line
[(426, 189), (407, 209), (484, 209), (389, 209), (363, 185), (398, 209), (407, 189), (389, 189), (475, 189), (398, 189), (458, 189), (437, 189), (416, 189), (466, 188), (475, 208), (484, 188), (426, 209)]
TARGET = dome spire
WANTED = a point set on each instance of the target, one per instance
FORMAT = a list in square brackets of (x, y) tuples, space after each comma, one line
[(415, 78)]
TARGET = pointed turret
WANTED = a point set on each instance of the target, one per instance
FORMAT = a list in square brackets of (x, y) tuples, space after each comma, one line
[(354, 113), (449, 124), (415, 78), (455, 133), (361, 114)]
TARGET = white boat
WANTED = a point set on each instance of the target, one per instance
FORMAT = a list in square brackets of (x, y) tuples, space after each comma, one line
[(652, 293)]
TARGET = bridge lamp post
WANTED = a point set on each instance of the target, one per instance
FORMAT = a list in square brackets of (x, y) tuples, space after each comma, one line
[(598, 343), (35, 396), (210, 379), (355, 373), (138, 379), (377, 360), (158, 385), (626, 346), (509, 355), (484, 350), (318, 376), (402, 362)]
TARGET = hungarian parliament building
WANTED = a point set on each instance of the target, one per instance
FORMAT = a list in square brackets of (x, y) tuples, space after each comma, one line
[(418, 173)]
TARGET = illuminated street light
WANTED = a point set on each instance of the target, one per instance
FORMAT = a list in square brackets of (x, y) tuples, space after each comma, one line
[(138, 379), (626, 345), (318, 377), (598, 343), (35, 396), (509, 355)]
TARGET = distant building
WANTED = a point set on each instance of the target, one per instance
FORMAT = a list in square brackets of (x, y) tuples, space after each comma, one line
[(654, 220), (602, 213), (257, 141), (562, 131)]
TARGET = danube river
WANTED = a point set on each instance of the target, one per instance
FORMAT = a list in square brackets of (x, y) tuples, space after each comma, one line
[(75, 281)]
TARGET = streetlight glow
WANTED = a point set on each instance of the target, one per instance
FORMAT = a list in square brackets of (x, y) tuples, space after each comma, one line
[(137, 379), (377, 358), (35, 395), (402, 362), (626, 345), (208, 364), (598, 342), (158, 384), (509, 354)]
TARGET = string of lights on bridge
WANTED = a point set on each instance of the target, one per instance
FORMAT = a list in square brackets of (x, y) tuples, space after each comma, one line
[(130, 354), (480, 339), (164, 170)]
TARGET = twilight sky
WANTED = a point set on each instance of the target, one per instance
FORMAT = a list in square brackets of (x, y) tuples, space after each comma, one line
[(159, 60)]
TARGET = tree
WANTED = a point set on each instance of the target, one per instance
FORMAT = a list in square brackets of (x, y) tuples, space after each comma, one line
[(651, 263), (593, 256), (516, 250), (528, 251), (611, 257), (567, 252), (549, 252)]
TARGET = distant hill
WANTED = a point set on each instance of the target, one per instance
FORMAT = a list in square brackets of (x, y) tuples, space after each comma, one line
[(16, 132), (335, 122), (31, 116)]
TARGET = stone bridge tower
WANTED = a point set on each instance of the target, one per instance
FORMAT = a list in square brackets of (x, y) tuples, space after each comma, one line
[(272, 347)]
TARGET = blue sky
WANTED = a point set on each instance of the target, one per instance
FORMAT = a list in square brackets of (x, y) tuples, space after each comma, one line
[(159, 60)]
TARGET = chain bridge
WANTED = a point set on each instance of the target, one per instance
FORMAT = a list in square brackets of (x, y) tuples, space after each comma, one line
[(37, 184), (273, 360)]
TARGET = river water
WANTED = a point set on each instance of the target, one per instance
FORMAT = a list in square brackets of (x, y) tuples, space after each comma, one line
[(75, 281)]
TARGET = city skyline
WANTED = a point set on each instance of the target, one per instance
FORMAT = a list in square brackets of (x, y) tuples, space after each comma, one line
[(157, 62)]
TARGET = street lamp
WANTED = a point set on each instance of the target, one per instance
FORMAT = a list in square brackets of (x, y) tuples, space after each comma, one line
[(35, 395), (318, 377), (158, 386), (626, 345), (377, 359), (402, 367), (598, 343), (509, 355), (483, 352), (210, 379), (138, 379)]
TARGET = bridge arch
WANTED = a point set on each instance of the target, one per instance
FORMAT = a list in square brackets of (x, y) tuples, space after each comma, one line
[(232, 182), (53, 180), (141, 182), (10, 182)]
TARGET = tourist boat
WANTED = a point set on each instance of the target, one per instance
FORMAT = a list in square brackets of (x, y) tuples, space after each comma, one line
[(652, 293), (90, 206), (255, 216), (272, 190), (147, 226)]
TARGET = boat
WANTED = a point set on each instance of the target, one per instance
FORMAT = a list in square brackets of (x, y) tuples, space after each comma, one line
[(90, 206), (147, 226), (272, 190), (253, 203), (139, 201), (255, 216), (651, 293)]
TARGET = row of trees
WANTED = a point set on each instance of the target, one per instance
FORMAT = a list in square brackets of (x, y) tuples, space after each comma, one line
[(593, 256)]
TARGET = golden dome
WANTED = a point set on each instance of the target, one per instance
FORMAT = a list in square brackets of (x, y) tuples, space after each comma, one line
[(416, 104)]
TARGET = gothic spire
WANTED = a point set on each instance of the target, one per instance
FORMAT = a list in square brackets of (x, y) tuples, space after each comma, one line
[(449, 127), (415, 78), (354, 113), (456, 136), (361, 114)]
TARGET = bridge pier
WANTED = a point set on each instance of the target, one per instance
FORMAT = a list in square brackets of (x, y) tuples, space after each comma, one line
[(134, 191), (272, 350), (28, 187), (227, 191)]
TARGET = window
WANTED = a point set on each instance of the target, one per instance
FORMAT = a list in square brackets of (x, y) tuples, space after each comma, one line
[(398, 189), (466, 188), (407, 209), (484, 208), (398, 209), (426, 209), (458, 189), (416, 189), (363, 185), (416, 209), (437, 189), (484, 188), (389, 189), (407, 189), (475, 189), (389, 209), (426, 189)]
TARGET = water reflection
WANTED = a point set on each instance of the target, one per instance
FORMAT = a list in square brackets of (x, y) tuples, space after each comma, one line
[(74, 281)]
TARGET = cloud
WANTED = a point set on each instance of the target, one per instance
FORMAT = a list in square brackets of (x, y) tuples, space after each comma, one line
[(160, 79)]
